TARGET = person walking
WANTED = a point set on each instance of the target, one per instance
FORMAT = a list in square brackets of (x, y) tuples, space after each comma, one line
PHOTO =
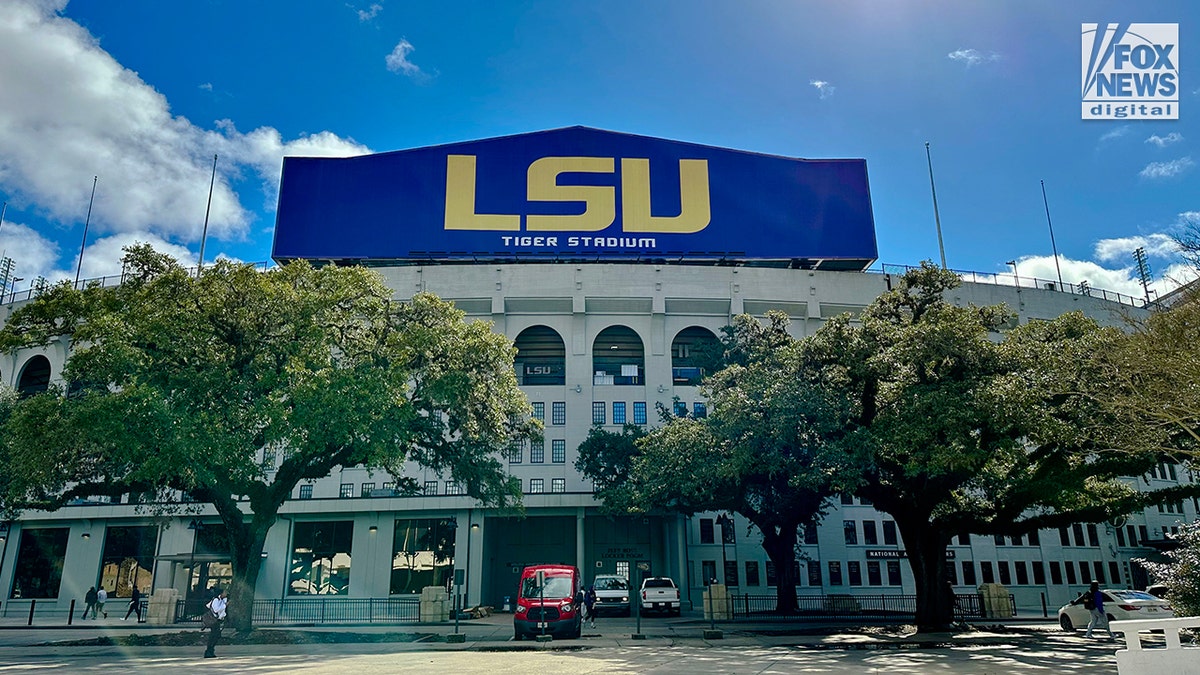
[(135, 605), (589, 602), (101, 598), (89, 600), (216, 607), (1094, 602)]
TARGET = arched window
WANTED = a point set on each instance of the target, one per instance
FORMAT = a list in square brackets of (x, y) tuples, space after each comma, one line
[(35, 376), (618, 357), (692, 353), (541, 357)]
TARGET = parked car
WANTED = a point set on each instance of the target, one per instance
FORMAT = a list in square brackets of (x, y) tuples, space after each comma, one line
[(548, 598), (1119, 605), (660, 594), (612, 594)]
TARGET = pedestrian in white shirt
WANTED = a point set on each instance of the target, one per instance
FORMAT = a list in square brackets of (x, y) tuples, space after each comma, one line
[(216, 607)]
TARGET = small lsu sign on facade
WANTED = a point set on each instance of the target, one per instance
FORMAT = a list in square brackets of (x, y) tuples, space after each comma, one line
[(576, 194)]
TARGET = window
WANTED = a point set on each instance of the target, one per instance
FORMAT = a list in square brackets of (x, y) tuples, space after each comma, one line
[(699, 410), (874, 577), (706, 531), (539, 411), (558, 413), (951, 572), (1039, 572), (366, 489), (889, 533), (1098, 568), (680, 409), (835, 573), (708, 569), (772, 579), (847, 500), (599, 408), (968, 569), (1093, 535), (537, 486), (38, 573), (1055, 573), (431, 487), (537, 451), (850, 528), (1077, 529), (752, 573), (558, 485), (1120, 537), (346, 491), (814, 572), (639, 412), (515, 452), (422, 554), (321, 558), (1114, 572), (1143, 534), (810, 534), (1070, 569), (854, 572), (452, 488), (1034, 540), (618, 412), (869, 537), (306, 492), (1005, 574), (893, 572), (558, 451), (268, 460), (1022, 573), (731, 571), (999, 539), (1085, 574), (1063, 537), (985, 571)]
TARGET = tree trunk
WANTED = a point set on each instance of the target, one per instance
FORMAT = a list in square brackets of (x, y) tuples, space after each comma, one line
[(781, 549), (246, 543), (926, 548)]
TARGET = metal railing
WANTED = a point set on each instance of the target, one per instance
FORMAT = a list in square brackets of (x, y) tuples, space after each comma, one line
[(316, 611), (1018, 281), (744, 607)]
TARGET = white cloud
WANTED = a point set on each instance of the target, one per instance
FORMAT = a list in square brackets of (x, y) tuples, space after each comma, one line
[(824, 89), (1188, 218), (368, 13), (1167, 169), (71, 112), (398, 62), (1040, 270), (33, 255), (1164, 141), (1121, 249), (207, 86), (972, 57), (1116, 133)]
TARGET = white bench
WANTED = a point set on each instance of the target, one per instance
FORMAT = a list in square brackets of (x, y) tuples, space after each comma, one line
[(1174, 660)]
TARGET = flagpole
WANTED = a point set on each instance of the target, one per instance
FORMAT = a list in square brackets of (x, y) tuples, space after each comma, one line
[(204, 234), (86, 222), (936, 218), (1053, 247)]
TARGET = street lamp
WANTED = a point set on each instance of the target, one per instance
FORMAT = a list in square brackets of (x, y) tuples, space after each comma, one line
[(1016, 279)]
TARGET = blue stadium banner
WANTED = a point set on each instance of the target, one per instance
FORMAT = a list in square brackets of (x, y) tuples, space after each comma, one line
[(576, 194)]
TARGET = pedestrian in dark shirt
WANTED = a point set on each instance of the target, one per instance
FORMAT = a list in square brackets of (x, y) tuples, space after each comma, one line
[(135, 605)]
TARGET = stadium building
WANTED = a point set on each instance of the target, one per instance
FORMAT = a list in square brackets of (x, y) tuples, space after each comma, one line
[(607, 258)]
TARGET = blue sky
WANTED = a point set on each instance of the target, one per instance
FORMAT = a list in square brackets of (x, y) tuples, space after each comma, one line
[(143, 93)]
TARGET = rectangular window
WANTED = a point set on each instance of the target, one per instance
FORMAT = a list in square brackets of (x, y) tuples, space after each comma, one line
[(537, 451), (1056, 577), (422, 554), (706, 531), (1064, 537), (539, 411), (558, 485), (1085, 574), (847, 500), (999, 539), (268, 460), (618, 412), (814, 573), (874, 574), (558, 451), (854, 572), (1093, 535), (1039, 572), (869, 537), (431, 487), (772, 579), (346, 491), (986, 573), (306, 492), (38, 573), (951, 572), (1114, 573), (516, 452), (889, 533), (128, 559), (1034, 540), (731, 571), (893, 572), (366, 489), (1098, 568), (968, 569), (558, 413), (1022, 573), (599, 410), (680, 409), (835, 573), (1077, 529), (1017, 541), (1143, 534), (708, 570), (850, 528), (321, 558), (699, 410), (1070, 569), (1120, 537), (639, 412), (537, 486), (810, 534), (752, 573), (452, 488), (1005, 574), (1132, 532)]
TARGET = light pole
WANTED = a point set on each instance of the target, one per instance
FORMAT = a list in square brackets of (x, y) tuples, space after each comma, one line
[(937, 219), (726, 524), (1053, 246), (1016, 279), (13, 298)]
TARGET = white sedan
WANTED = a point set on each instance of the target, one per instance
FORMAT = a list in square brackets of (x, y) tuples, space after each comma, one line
[(1119, 605)]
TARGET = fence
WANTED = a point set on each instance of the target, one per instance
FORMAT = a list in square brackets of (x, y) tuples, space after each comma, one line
[(318, 611), (846, 606)]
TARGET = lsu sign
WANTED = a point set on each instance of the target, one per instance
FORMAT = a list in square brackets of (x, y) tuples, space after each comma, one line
[(575, 194)]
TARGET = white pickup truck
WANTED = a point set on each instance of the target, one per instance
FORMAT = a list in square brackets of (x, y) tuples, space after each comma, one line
[(659, 594)]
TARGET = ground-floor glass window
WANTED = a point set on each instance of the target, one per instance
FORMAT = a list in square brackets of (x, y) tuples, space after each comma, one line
[(128, 560), (40, 562), (422, 554), (321, 558)]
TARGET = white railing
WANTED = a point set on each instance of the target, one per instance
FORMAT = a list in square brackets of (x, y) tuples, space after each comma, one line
[(1175, 659)]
